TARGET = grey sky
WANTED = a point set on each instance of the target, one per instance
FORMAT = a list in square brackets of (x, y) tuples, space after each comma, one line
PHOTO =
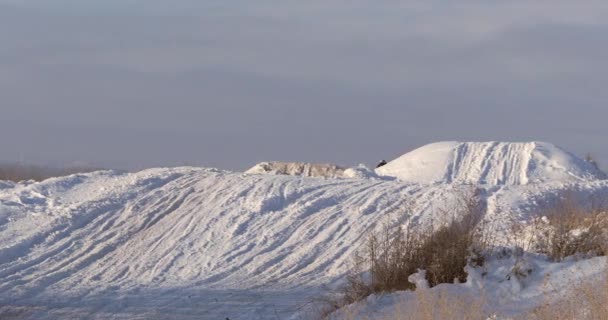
[(132, 84)]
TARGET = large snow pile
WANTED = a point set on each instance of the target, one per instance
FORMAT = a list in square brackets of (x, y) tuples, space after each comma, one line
[(298, 169), (184, 243), (196, 243), (493, 163)]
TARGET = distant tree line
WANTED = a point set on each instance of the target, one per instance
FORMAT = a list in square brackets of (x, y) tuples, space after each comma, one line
[(19, 172)]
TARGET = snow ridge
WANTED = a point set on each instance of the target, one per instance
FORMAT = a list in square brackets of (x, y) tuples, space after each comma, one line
[(490, 163)]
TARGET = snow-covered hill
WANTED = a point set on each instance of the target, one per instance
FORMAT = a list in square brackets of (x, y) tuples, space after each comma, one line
[(494, 163), (148, 237), (195, 243)]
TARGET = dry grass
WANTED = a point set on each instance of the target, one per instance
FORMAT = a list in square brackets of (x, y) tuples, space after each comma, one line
[(566, 230), (442, 305), (427, 305), (586, 301)]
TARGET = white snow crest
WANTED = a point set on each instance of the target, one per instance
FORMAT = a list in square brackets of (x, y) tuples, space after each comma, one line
[(490, 163)]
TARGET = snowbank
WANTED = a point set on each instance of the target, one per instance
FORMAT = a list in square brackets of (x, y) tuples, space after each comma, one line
[(492, 163)]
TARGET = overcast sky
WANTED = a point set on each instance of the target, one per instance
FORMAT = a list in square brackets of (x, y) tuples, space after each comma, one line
[(139, 83)]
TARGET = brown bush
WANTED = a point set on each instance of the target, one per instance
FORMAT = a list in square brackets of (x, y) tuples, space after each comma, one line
[(443, 251), (387, 259), (568, 229)]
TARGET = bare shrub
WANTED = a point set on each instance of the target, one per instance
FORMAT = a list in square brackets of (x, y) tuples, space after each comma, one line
[(442, 251), (387, 259), (568, 229), (390, 256), (446, 252)]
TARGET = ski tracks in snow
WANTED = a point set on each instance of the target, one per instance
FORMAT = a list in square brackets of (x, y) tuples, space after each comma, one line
[(169, 231)]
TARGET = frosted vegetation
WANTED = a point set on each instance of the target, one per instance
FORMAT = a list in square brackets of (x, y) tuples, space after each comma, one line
[(451, 230)]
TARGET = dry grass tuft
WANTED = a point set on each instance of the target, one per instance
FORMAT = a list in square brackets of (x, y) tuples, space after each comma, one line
[(443, 305), (428, 305), (587, 301)]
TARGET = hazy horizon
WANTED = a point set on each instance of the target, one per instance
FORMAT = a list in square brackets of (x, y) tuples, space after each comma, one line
[(134, 84)]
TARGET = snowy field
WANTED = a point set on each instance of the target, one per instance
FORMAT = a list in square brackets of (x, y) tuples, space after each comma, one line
[(198, 243)]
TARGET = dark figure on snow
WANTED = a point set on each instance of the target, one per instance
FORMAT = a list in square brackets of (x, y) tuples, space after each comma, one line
[(382, 163)]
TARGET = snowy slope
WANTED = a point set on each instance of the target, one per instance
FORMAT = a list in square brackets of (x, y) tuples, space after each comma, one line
[(494, 163), (195, 243), (225, 228), (162, 232)]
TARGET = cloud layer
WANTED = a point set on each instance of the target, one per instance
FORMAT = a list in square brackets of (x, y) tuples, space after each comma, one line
[(145, 83)]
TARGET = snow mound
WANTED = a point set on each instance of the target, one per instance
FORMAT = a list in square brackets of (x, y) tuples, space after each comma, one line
[(298, 169), (360, 172), (490, 163)]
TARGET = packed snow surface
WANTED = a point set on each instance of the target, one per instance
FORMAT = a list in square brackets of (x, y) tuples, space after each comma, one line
[(196, 243), (493, 163)]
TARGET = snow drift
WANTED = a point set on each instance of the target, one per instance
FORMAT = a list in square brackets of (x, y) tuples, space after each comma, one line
[(492, 163), (360, 172)]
